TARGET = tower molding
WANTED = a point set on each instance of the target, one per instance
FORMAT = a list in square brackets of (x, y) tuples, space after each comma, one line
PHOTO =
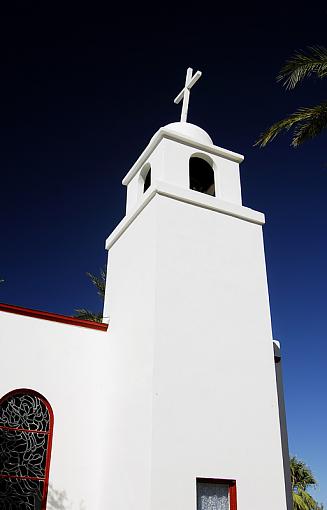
[(187, 196), (171, 134)]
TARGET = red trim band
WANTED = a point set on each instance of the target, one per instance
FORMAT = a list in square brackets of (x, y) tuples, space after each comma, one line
[(38, 314), (39, 479), (2, 427)]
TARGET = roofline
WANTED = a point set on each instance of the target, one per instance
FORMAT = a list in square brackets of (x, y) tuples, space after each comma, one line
[(55, 317), (174, 135)]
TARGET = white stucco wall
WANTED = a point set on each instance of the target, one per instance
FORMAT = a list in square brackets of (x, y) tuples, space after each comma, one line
[(131, 307), (197, 393), (215, 409), (67, 365)]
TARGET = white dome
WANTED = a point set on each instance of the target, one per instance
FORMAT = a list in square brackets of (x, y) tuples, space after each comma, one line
[(191, 131)]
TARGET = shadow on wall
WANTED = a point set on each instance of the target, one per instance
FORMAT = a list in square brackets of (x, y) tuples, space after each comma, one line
[(58, 500)]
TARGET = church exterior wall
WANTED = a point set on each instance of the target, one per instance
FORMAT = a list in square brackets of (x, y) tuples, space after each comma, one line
[(67, 365), (192, 356)]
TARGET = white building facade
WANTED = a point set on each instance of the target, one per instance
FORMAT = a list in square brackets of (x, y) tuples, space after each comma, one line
[(175, 406)]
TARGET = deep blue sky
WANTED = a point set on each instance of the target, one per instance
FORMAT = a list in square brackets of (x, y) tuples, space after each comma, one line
[(82, 92)]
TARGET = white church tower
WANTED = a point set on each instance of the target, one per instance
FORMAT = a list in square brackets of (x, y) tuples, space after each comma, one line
[(193, 407), (178, 404)]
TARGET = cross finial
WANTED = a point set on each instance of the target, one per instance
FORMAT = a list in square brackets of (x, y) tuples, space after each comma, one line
[(185, 93)]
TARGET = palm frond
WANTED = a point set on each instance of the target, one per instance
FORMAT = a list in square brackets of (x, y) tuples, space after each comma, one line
[(315, 123), (303, 64), (301, 475), (308, 123), (298, 503), (302, 500), (308, 500), (99, 281), (302, 479), (87, 315)]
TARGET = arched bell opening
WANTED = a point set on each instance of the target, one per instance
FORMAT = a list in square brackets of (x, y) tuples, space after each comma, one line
[(202, 178), (146, 176)]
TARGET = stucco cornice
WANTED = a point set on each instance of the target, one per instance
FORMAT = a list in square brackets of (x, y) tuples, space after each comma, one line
[(189, 197), (178, 137)]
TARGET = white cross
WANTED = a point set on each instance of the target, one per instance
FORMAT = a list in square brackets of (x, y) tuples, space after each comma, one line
[(185, 93)]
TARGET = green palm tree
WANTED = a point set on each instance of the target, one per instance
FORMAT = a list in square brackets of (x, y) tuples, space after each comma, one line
[(302, 479), (100, 283), (306, 122)]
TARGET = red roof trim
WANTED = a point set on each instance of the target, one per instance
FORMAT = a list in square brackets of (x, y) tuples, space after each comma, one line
[(48, 316)]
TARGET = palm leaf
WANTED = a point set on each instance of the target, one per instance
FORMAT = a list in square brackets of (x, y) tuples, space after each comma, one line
[(87, 315), (315, 123), (301, 475), (308, 500), (298, 503), (99, 281), (302, 65), (301, 479), (308, 123), (302, 500)]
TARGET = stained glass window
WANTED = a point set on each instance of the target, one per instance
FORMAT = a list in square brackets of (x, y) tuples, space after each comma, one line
[(216, 494), (26, 423)]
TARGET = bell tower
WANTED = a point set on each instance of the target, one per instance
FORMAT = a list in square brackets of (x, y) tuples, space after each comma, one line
[(193, 407), (172, 154)]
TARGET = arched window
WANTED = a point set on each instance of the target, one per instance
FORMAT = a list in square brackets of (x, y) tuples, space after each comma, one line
[(147, 180), (26, 425), (201, 176)]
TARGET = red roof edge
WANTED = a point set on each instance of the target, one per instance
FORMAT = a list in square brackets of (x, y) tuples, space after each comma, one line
[(48, 316)]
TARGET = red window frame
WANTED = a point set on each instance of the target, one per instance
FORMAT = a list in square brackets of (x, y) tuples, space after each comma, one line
[(45, 479), (231, 488)]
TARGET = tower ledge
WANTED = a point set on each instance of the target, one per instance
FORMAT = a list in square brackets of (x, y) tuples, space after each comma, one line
[(186, 196)]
